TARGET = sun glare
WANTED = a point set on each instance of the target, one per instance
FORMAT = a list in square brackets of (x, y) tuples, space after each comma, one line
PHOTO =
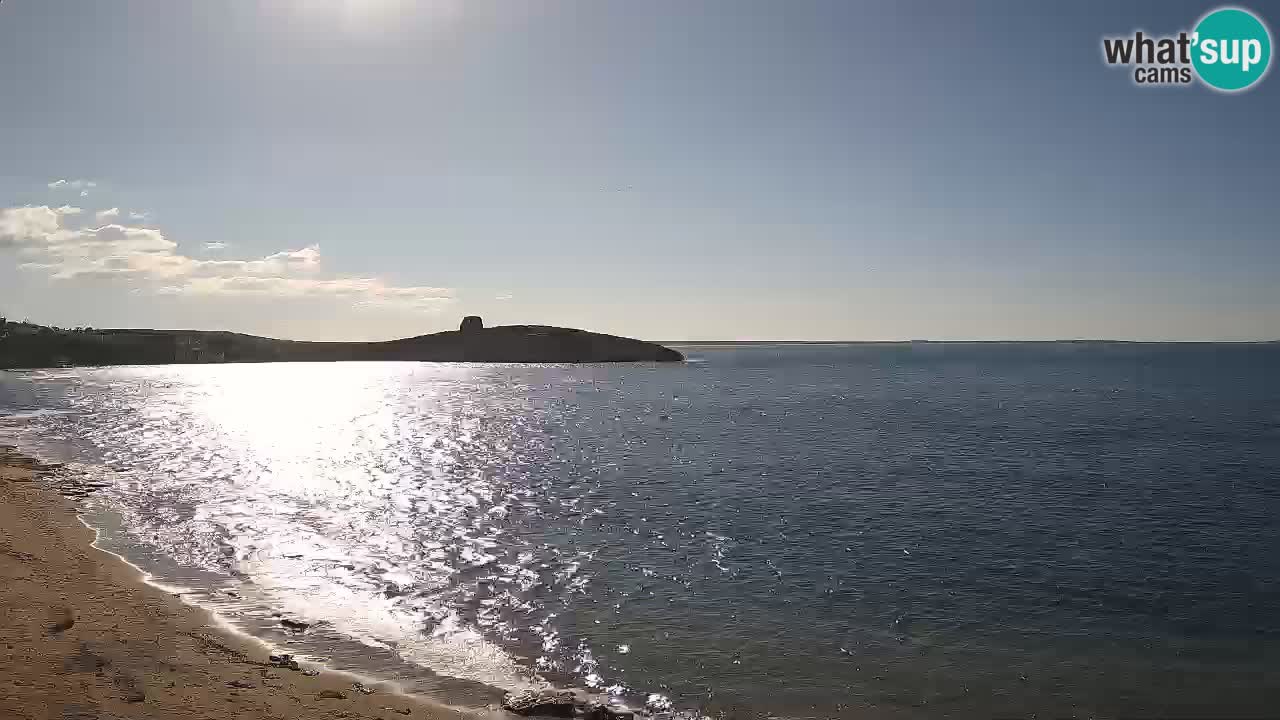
[(367, 14)]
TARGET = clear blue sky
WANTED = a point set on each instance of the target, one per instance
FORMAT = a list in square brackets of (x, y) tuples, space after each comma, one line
[(669, 170)]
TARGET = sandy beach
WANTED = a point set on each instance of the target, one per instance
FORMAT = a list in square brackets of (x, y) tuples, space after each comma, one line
[(82, 636)]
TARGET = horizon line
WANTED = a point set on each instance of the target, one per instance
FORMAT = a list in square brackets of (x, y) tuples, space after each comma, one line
[(968, 341), (753, 341)]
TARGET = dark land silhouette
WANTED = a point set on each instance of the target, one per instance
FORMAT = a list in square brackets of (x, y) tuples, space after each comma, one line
[(27, 345)]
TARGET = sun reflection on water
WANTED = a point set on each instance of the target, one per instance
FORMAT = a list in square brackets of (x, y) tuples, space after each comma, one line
[(353, 495)]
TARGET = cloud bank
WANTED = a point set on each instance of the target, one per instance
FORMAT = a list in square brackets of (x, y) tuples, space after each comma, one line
[(145, 257)]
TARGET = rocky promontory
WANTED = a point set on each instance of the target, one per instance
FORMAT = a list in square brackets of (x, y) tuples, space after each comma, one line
[(24, 345)]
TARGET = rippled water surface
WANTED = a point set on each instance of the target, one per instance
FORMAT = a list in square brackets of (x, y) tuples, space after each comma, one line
[(807, 531)]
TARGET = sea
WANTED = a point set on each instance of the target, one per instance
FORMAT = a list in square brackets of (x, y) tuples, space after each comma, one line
[(842, 530)]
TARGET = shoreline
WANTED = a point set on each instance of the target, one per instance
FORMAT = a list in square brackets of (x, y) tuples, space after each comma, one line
[(85, 635)]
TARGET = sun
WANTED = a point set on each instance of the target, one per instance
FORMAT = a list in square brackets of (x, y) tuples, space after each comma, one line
[(348, 8), (376, 12), (374, 16)]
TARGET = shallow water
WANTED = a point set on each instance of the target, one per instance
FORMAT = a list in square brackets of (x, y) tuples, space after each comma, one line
[(807, 531)]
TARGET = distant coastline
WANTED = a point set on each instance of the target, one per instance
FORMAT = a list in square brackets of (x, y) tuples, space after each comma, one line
[(27, 345)]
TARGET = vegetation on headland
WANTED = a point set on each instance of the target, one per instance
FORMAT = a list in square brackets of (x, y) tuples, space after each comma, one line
[(28, 345)]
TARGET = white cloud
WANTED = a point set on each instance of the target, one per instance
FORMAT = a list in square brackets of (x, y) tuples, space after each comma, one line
[(135, 215), (281, 264), (145, 257), (21, 225), (84, 193), (216, 246), (72, 184), (503, 297), (68, 210), (359, 291), (105, 215)]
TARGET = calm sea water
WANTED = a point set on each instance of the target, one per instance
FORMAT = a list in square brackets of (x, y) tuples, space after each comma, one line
[(803, 531)]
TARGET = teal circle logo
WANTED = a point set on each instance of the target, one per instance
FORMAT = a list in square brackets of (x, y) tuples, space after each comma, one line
[(1231, 49)]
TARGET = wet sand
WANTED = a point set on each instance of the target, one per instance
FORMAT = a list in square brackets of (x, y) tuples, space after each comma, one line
[(83, 637)]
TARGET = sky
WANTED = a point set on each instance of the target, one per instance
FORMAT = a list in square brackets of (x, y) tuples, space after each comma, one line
[(665, 169)]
